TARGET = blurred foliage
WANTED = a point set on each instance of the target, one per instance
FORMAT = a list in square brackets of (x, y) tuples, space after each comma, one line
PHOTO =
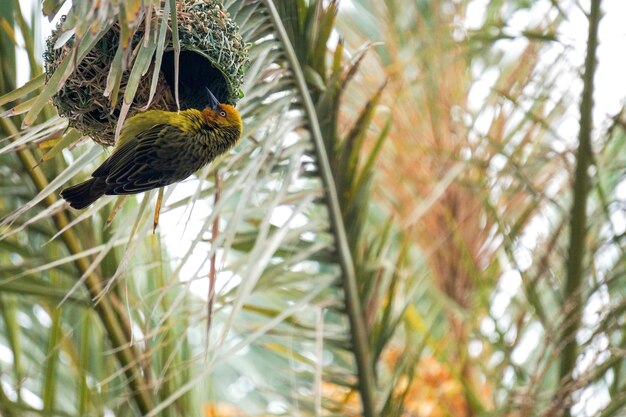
[(478, 172)]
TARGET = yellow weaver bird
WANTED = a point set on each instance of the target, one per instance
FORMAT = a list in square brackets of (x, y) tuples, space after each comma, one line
[(158, 148)]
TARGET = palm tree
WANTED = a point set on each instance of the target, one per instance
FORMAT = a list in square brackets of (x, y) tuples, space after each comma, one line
[(488, 176), (267, 238), (299, 275)]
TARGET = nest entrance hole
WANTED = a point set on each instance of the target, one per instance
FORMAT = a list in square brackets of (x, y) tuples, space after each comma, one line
[(196, 73)]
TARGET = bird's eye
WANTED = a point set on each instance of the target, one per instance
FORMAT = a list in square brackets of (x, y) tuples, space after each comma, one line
[(223, 113)]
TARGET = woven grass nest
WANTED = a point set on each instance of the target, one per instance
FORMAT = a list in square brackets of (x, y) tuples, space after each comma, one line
[(213, 54)]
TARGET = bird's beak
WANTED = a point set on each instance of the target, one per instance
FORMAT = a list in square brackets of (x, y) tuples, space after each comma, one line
[(213, 101)]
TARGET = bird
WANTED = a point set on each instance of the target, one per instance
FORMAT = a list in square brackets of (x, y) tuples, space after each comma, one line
[(158, 148)]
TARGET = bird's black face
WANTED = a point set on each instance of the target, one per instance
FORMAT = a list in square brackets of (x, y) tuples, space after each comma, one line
[(213, 101)]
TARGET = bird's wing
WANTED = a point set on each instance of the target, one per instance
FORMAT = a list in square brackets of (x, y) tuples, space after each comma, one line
[(139, 165), (119, 154)]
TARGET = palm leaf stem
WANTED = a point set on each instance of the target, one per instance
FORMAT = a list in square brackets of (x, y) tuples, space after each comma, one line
[(353, 306), (573, 297), (120, 342)]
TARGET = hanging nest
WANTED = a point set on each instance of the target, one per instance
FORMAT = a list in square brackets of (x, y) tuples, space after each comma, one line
[(213, 55)]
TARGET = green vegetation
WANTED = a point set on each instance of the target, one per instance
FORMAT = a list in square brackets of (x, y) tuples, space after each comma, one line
[(409, 227)]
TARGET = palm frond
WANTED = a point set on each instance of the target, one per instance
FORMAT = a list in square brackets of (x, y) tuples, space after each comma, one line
[(276, 235)]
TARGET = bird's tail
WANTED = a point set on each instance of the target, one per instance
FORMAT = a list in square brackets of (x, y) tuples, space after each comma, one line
[(85, 193)]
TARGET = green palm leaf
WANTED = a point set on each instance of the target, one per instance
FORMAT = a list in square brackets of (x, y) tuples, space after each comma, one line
[(274, 230)]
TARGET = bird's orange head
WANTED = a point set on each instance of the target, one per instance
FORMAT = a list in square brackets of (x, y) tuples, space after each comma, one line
[(222, 115)]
